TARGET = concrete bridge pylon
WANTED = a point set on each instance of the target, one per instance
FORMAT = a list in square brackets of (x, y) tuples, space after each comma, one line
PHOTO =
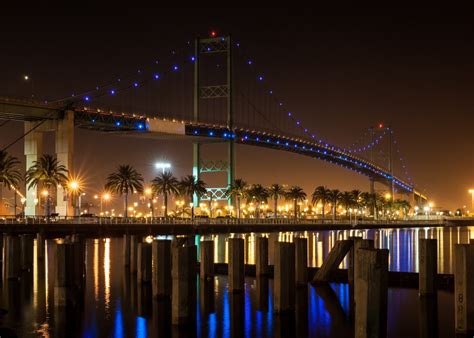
[(64, 149)]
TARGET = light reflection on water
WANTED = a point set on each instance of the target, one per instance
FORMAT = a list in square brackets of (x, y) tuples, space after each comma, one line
[(115, 306)]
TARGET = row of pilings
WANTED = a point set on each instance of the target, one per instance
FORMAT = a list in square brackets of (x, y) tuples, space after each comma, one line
[(169, 268)]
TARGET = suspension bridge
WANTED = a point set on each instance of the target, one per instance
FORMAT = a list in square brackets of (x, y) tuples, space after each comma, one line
[(210, 91)]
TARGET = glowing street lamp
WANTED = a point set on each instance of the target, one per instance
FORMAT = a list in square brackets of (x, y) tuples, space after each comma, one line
[(164, 166), (104, 197)]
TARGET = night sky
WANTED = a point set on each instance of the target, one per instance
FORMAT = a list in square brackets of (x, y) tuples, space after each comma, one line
[(341, 73)]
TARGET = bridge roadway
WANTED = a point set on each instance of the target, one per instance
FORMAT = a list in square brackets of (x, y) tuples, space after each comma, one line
[(103, 227), (140, 125)]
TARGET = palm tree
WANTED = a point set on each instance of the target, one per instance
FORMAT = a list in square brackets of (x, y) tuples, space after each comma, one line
[(321, 195), (403, 205), (296, 194), (10, 176), (124, 181), (48, 172), (190, 186), (347, 200), (334, 196), (237, 190), (165, 184), (258, 194), (276, 191), (365, 200)]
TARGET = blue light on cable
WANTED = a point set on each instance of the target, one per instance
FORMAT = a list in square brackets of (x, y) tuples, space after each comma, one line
[(118, 123), (175, 68), (86, 98), (112, 92), (156, 76)]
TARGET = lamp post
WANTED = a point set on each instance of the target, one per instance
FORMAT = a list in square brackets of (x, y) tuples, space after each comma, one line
[(104, 197)]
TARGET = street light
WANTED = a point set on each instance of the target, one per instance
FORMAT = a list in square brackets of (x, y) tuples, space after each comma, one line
[(163, 166), (104, 197), (74, 187)]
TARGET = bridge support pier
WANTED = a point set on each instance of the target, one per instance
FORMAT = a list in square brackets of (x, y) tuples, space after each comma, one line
[(64, 154), (33, 150)]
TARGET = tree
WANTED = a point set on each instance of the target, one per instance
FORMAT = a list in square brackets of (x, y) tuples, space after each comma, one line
[(165, 184), (48, 173), (237, 190), (258, 194), (124, 181), (321, 195), (402, 205), (276, 191), (347, 200), (334, 196), (296, 194), (189, 186), (357, 197), (10, 176)]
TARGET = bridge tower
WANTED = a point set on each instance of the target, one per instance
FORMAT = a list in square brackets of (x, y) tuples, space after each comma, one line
[(209, 47), (373, 134), (63, 127)]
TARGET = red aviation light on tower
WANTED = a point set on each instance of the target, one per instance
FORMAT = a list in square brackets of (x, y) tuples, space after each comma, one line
[(213, 34), (381, 125)]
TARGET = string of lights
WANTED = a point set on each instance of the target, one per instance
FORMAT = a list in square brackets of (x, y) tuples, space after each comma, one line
[(129, 81)]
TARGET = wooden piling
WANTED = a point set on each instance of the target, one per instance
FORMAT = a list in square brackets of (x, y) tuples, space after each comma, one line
[(332, 261), (183, 276), (63, 280), (40, 247), (236, 272), (428, 266), (371, 292), (261, 256), (464, 288), (144, 263), (126, 250), (301, 261), (26, 243), (284, 277), (12, 259), (207, 260), (161, 261), (133, 254)]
